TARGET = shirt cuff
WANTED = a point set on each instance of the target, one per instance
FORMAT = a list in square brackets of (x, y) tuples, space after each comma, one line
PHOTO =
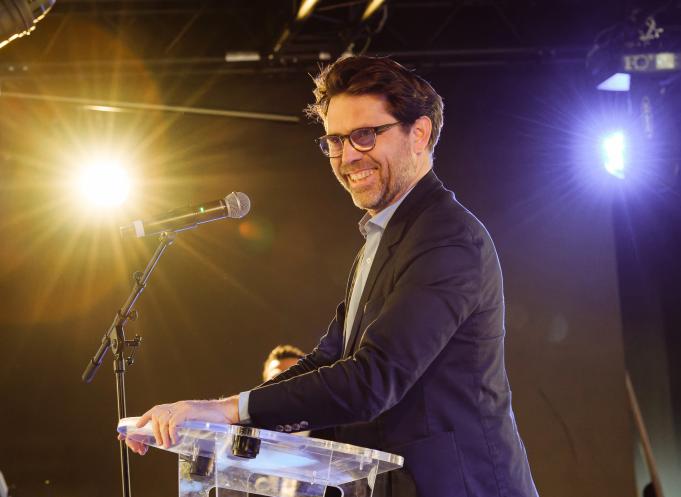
[(244, 415)]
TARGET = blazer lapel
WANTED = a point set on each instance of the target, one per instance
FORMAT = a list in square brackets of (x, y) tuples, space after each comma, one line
[(393, 233)]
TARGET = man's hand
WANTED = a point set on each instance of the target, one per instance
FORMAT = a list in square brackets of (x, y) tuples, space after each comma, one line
[(165, 418)]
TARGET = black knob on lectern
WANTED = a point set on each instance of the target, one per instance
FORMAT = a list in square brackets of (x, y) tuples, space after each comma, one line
[(246, 447), (202, 466)]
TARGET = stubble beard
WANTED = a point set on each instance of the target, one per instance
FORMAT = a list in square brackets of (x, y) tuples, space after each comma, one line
[(372, 198), (393, 180)]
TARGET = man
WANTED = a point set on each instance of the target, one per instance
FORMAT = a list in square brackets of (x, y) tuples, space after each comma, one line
[(412, 362), (280, 359)]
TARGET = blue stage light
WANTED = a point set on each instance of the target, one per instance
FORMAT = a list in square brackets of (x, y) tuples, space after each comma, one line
[(614, 148)]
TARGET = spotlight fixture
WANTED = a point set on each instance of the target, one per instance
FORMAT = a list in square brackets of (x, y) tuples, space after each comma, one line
[(641, 50), (372, 7), (642, 64), (620, 81), (19, 17), (306, 8), (242, 57)]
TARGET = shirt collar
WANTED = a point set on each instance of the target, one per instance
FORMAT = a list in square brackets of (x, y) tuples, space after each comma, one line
[(380, 220)]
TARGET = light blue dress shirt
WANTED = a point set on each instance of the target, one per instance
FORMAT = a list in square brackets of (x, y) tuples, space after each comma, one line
[(372, 229)]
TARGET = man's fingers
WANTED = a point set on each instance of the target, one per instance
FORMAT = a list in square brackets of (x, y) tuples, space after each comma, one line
[(144, 419), (172, 430), (137, 447), (164, 428), (155, 426), (165, 418)]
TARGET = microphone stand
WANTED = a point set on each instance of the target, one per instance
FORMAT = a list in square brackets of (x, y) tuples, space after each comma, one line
[(114, 339)]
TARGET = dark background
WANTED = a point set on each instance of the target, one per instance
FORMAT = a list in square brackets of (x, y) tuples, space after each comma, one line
[(589, 260)]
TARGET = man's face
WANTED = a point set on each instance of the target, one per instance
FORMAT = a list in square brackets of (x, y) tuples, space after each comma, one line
[(377, 178), (277, 366)]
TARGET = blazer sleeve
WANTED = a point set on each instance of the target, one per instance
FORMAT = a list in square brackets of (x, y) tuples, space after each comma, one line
[(437, 287)]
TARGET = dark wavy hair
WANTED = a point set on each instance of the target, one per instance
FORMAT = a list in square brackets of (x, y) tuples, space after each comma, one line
[(408, 95), (280, 352)]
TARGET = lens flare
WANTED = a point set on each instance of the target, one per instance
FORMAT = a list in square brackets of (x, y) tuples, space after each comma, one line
[(104, 182)]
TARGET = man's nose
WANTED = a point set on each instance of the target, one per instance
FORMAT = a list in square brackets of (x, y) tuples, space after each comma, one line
[(350, 155)]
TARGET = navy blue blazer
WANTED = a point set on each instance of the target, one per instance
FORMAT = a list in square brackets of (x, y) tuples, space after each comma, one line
[(423, 375)]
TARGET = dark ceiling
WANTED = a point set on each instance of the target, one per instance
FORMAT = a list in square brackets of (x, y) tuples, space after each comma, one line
[(192, 36)]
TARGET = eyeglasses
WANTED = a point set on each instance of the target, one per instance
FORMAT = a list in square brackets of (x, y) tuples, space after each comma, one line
[(362, 140)]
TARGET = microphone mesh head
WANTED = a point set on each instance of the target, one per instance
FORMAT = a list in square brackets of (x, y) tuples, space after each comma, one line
[(238, 204)]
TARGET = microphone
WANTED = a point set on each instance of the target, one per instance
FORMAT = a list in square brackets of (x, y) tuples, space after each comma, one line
[(235, 205)]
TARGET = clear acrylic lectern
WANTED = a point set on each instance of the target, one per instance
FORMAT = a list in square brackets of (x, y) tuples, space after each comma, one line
[(237, 460)]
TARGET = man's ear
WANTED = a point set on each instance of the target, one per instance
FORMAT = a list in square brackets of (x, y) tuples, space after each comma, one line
[(420, 134)]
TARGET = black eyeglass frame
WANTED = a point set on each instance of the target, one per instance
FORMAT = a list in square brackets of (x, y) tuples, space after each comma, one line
[(377, 130)]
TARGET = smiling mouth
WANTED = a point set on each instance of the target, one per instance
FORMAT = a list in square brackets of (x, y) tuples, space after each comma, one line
[(360, 175)]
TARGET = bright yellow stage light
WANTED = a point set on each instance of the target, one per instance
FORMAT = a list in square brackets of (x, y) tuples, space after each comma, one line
[(306, 8), (104, 182), (372, 7)]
